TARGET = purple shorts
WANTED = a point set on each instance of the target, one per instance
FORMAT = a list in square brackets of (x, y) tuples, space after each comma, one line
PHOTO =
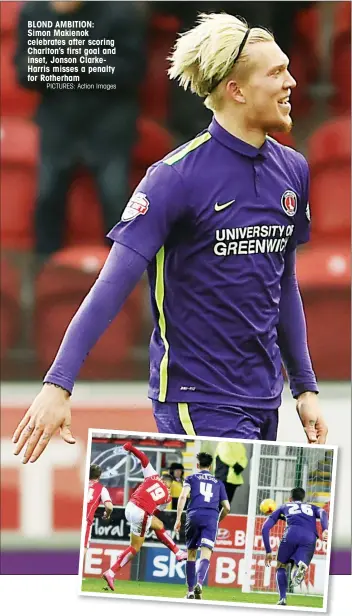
[(217, 420), (201, 528), (297, 545)]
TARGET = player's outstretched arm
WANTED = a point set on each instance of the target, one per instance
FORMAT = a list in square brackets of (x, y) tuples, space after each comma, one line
[(224, 502), (108, 510), (181, 505), (107, 502), (147, 469), (266, 528), (292, 339), (50, 410), (226, 508), (324, 520)]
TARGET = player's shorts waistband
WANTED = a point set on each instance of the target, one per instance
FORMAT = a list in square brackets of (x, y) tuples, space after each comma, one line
[(221, 420)]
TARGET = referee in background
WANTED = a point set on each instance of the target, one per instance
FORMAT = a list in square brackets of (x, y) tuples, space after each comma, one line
[(230, 462)]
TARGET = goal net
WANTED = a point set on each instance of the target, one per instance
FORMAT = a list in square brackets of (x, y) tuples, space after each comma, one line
[(275, 470)]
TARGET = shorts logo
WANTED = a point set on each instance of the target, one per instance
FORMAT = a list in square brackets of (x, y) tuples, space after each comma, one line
[(289, 202), (137, 205), (308, 212), (208, 542)]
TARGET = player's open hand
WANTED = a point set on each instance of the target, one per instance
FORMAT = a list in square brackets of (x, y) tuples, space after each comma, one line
[(268, 559), (177, 526), (311, 417), (325, 535), (49, 412), (128, 446)]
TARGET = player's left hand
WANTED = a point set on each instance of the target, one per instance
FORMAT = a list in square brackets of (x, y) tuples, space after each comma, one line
[(106, 516), (325, 535), (268, 559), (311, 417), (177, 526)]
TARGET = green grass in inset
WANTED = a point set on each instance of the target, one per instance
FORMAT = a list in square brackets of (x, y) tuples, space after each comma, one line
[(210, 593)]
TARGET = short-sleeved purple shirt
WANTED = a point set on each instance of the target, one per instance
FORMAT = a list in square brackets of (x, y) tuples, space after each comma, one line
[(207, 492), (302, 516), (214, 219)]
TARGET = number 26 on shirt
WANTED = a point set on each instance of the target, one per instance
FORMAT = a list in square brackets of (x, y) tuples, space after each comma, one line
[(302, 508)]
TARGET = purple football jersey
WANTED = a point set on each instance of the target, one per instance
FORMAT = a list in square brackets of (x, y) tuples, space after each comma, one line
[(207, 492), (214, 219), (302, 516)]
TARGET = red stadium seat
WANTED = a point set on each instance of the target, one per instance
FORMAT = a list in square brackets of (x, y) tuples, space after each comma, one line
[(10, 306), (156, 87), (329, 153), (324, 275), (15, 100), (285, 139), (60, 289), (154, 142), (341, 58), (9, 12), (305, 58), (84, 213), (19, 148), (116, 495)]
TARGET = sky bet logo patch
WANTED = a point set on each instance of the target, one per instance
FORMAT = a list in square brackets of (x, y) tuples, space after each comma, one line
[(289, 202), (137, 205)]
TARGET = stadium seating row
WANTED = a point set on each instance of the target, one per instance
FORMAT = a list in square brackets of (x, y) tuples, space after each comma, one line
[(162, 33), (19, 178), (324, 273), (59, 290), (323, 267), (329, 158)]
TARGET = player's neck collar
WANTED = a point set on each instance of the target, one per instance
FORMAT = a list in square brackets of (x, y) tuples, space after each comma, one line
[(234, 143)]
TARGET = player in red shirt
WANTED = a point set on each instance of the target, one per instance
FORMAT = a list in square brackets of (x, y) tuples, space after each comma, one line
[(151, 496), (97, 495)]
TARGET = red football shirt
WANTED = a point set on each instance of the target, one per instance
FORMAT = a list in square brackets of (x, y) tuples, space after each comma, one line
[(97, 494), (151, 494)]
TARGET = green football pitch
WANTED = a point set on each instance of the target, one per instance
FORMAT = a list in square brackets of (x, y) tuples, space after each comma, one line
[(178, 591)]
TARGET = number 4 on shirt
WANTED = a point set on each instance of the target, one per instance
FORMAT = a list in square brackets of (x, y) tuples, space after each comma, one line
[(206, 491)]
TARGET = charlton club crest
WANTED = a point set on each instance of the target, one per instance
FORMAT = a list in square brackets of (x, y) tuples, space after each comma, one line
[(289, 202)]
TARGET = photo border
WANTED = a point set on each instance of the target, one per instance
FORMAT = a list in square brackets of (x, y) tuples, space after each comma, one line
[(187, 437)]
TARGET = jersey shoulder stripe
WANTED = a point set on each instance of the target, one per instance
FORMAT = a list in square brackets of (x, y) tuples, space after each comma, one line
[(192, 145)]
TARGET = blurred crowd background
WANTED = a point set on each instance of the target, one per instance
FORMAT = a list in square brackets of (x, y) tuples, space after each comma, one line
[(70, 160), (280, 468), (170, 456)]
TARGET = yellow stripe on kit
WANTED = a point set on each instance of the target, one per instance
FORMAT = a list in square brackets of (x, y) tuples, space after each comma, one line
[(192, 145), (159, 298), (185, 418)]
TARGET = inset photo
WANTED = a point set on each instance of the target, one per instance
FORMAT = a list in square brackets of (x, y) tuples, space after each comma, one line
[(192, 519)]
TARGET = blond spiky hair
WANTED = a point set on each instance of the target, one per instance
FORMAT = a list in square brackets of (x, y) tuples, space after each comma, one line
[(204, 55)]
